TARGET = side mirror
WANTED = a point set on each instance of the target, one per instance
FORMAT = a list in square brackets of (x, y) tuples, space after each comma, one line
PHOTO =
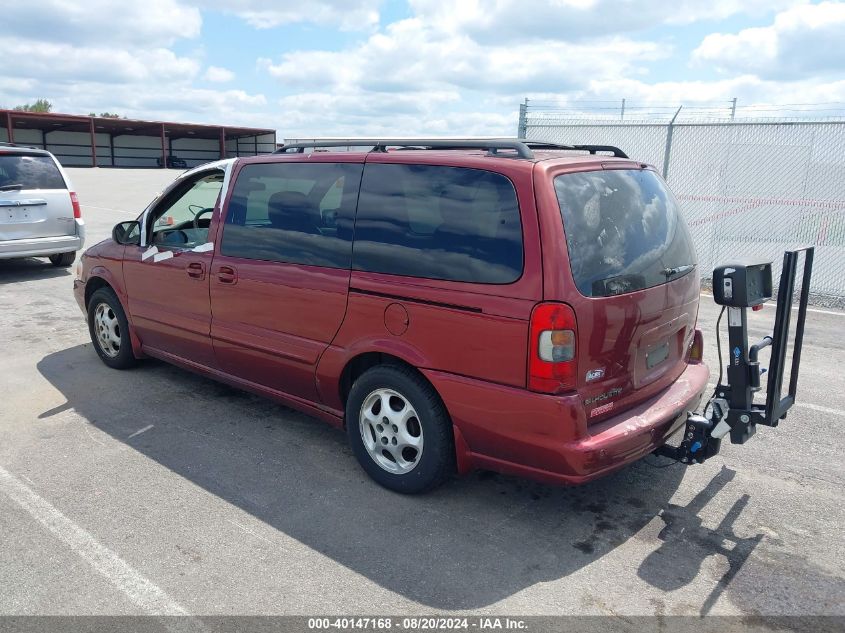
[(127, 233)]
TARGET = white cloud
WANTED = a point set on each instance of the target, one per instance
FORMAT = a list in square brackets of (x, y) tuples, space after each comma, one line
[(61, 46), (98, 56), (325, 114), (372, 114), (527, 20), (712, 98), (451, 68), (60, 63), (191, 104), (345, 14), (96, 22), (355, 105), (802, 40), (427, 73), (417, 78), (218, 74), (172, 101), (410, 55)]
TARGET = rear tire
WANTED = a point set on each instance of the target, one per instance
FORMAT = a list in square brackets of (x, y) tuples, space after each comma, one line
[(63, 260), (399, 430), (109, 330)]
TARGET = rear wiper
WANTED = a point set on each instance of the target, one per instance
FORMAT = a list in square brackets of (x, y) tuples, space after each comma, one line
[(677, 270), (11, 187)]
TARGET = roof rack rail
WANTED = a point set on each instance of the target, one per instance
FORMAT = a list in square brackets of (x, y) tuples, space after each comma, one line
[(381, 144), (592, 149), (521, 146), (7, 144)]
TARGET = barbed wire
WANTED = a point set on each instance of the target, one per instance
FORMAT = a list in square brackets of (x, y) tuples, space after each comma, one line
[(622, 109)]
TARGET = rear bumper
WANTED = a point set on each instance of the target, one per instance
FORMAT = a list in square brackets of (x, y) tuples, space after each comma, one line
[(546, 437), (42, 246)]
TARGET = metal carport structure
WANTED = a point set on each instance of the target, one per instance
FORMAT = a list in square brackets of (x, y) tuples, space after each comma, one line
[(116, 142)]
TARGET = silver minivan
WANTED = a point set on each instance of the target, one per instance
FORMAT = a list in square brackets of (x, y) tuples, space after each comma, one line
[(39, 210)]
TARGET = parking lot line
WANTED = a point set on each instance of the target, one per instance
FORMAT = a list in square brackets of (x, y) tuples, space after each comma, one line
[(248, 531), (139, 431), (139, 589), (820, 409), (91, 206)]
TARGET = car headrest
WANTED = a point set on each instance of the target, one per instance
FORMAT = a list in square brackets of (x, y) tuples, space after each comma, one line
[(291, 211)]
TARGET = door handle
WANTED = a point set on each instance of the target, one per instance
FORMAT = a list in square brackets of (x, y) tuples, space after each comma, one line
[(227, 275), (196, 270)]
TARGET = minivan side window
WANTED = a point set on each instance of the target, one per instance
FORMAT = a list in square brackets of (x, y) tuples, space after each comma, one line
[(183, 217), (436, 222), (297, 213)]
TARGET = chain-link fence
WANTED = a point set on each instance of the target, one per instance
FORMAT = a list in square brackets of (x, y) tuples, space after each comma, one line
[(748, 188)]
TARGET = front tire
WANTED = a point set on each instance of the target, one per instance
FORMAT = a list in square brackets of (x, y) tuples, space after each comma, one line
[(399, 430), (109, 330), (63, 260)]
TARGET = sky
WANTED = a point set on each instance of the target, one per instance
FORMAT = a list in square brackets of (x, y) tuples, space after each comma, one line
[(413, 67)]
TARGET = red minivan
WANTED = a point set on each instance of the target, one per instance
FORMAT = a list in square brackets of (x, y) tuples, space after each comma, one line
[(510, 305)]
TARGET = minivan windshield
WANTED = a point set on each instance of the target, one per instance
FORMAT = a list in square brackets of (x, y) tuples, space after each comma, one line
[(624, 231), (32, 172)]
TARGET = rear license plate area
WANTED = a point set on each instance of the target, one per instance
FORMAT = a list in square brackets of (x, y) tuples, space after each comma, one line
[(657, 355), (13, 215)]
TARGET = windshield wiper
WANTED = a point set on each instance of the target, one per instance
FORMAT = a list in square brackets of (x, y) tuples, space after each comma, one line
[(677, 270), (17, 187)]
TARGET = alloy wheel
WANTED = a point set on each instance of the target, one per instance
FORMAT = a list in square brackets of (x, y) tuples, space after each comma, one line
[(107, 329), (391, 431)]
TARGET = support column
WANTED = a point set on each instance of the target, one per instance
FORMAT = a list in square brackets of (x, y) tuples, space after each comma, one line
[(9, 127), (668, 151), (222, 143), (522, 126), (111, 149), (93, 143), (163, 150)]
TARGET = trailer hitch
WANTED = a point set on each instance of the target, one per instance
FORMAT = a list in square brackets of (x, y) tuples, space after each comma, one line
[(731, 411)]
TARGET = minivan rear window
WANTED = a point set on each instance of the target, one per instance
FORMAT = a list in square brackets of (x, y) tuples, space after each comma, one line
[(437, 222), (33, 172), (624, 231)]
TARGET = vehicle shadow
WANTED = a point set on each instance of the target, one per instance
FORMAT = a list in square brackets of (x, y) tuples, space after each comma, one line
[(684, 538), (29, 269), (467, 545)]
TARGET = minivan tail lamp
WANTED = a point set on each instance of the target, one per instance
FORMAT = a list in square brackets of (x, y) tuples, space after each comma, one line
[(552, 354), (696, 352), (557, 346), (74, 200)]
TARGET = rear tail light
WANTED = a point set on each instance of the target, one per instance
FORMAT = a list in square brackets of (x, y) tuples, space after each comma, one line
[(551, 348), (696, 350), (77, 210)]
